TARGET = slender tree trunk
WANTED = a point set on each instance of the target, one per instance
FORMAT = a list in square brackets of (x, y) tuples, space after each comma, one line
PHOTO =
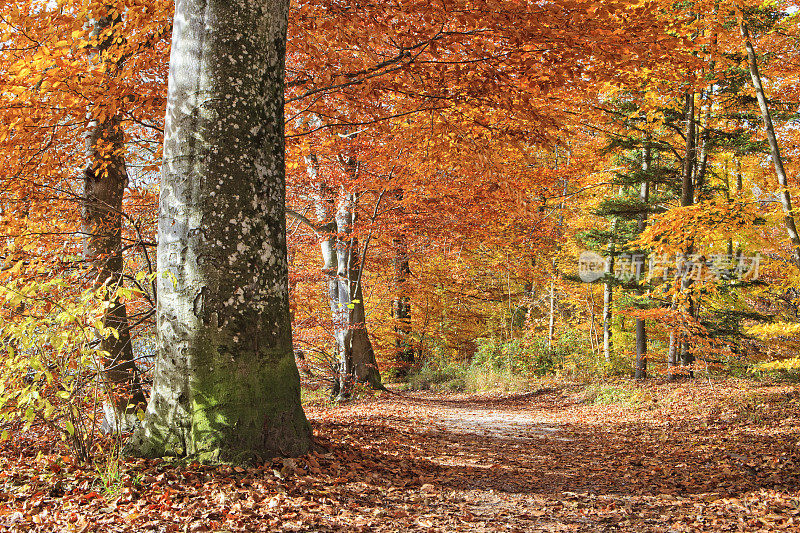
[(401, 301), (641, 326), (687, 183), (552, 319), (226, 386), (105, 180), (777, 160), (341, 265), (702, 166), (677, 349), (357, 358), (608, 296)]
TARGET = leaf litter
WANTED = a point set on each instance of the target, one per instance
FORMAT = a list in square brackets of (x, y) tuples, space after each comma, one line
[(699, 456)]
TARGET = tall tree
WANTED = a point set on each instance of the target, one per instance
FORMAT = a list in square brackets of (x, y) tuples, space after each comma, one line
[(226, 386), (401, 299), (777, 160), (105, 180), (337, 213), (641, 325)]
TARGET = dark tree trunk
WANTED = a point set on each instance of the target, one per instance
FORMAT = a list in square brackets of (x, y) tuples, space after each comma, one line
[(105, 180), (641, 326), (401, 301), (226, 385), (678, 349)]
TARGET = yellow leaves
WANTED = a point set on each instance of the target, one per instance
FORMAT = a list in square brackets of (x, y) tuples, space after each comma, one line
[(705, 225), (779, 329), (786, 365), (17, 268)]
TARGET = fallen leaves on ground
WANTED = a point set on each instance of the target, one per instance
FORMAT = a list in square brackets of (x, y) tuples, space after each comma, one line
[(700, 456)]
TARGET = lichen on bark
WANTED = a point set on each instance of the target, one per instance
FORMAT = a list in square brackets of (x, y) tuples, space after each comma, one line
[(226, 387)]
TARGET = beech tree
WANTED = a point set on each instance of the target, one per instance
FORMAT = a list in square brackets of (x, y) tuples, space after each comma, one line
[(342, 268), (226, 386)]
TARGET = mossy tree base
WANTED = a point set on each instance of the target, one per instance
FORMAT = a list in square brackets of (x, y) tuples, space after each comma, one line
[(226, 387)]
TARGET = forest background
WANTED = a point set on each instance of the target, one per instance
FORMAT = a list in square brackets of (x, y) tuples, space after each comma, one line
[(448, 164)]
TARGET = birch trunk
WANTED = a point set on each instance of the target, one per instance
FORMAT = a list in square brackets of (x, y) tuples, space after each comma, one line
[(226, 386)]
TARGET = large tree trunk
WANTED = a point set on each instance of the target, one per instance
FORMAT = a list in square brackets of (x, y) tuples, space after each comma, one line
[(105, 179), (226, 385), (777, 159)]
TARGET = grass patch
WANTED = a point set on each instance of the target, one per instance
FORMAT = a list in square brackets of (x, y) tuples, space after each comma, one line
[(481, 379), (456, 378), (613, 395), (314, 396)]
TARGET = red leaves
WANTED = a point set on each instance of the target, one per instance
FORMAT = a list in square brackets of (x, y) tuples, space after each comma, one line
[(402, 463)]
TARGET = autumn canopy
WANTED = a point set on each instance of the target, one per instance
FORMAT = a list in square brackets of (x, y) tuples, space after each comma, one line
[(198, 200)]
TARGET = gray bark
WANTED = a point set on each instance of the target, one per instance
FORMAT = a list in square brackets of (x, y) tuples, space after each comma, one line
[(341, 265), (226, 385), (777, 160), (105, 180), (641, 326), (357, 357)]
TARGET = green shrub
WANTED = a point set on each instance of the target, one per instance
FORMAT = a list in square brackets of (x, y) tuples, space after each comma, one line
[(610, 395), (433, 375), (51, 369)]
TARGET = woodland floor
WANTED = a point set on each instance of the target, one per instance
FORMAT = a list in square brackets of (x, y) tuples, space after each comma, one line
[(699, 456)]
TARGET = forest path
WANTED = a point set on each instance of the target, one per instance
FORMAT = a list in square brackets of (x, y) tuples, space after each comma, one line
[(513, 418), (700, 456), (549, 461)]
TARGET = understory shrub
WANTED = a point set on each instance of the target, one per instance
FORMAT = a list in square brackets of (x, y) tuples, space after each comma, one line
[(51, 366)]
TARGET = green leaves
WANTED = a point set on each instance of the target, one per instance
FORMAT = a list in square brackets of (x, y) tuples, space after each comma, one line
[(51, 372)]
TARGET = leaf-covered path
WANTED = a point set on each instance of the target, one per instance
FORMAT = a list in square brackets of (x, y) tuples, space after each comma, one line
[(547, 461), (683, 457)]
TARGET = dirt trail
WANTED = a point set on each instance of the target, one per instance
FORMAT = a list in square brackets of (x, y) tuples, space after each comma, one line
[(699, 456), (497, 420), (545, 461)]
